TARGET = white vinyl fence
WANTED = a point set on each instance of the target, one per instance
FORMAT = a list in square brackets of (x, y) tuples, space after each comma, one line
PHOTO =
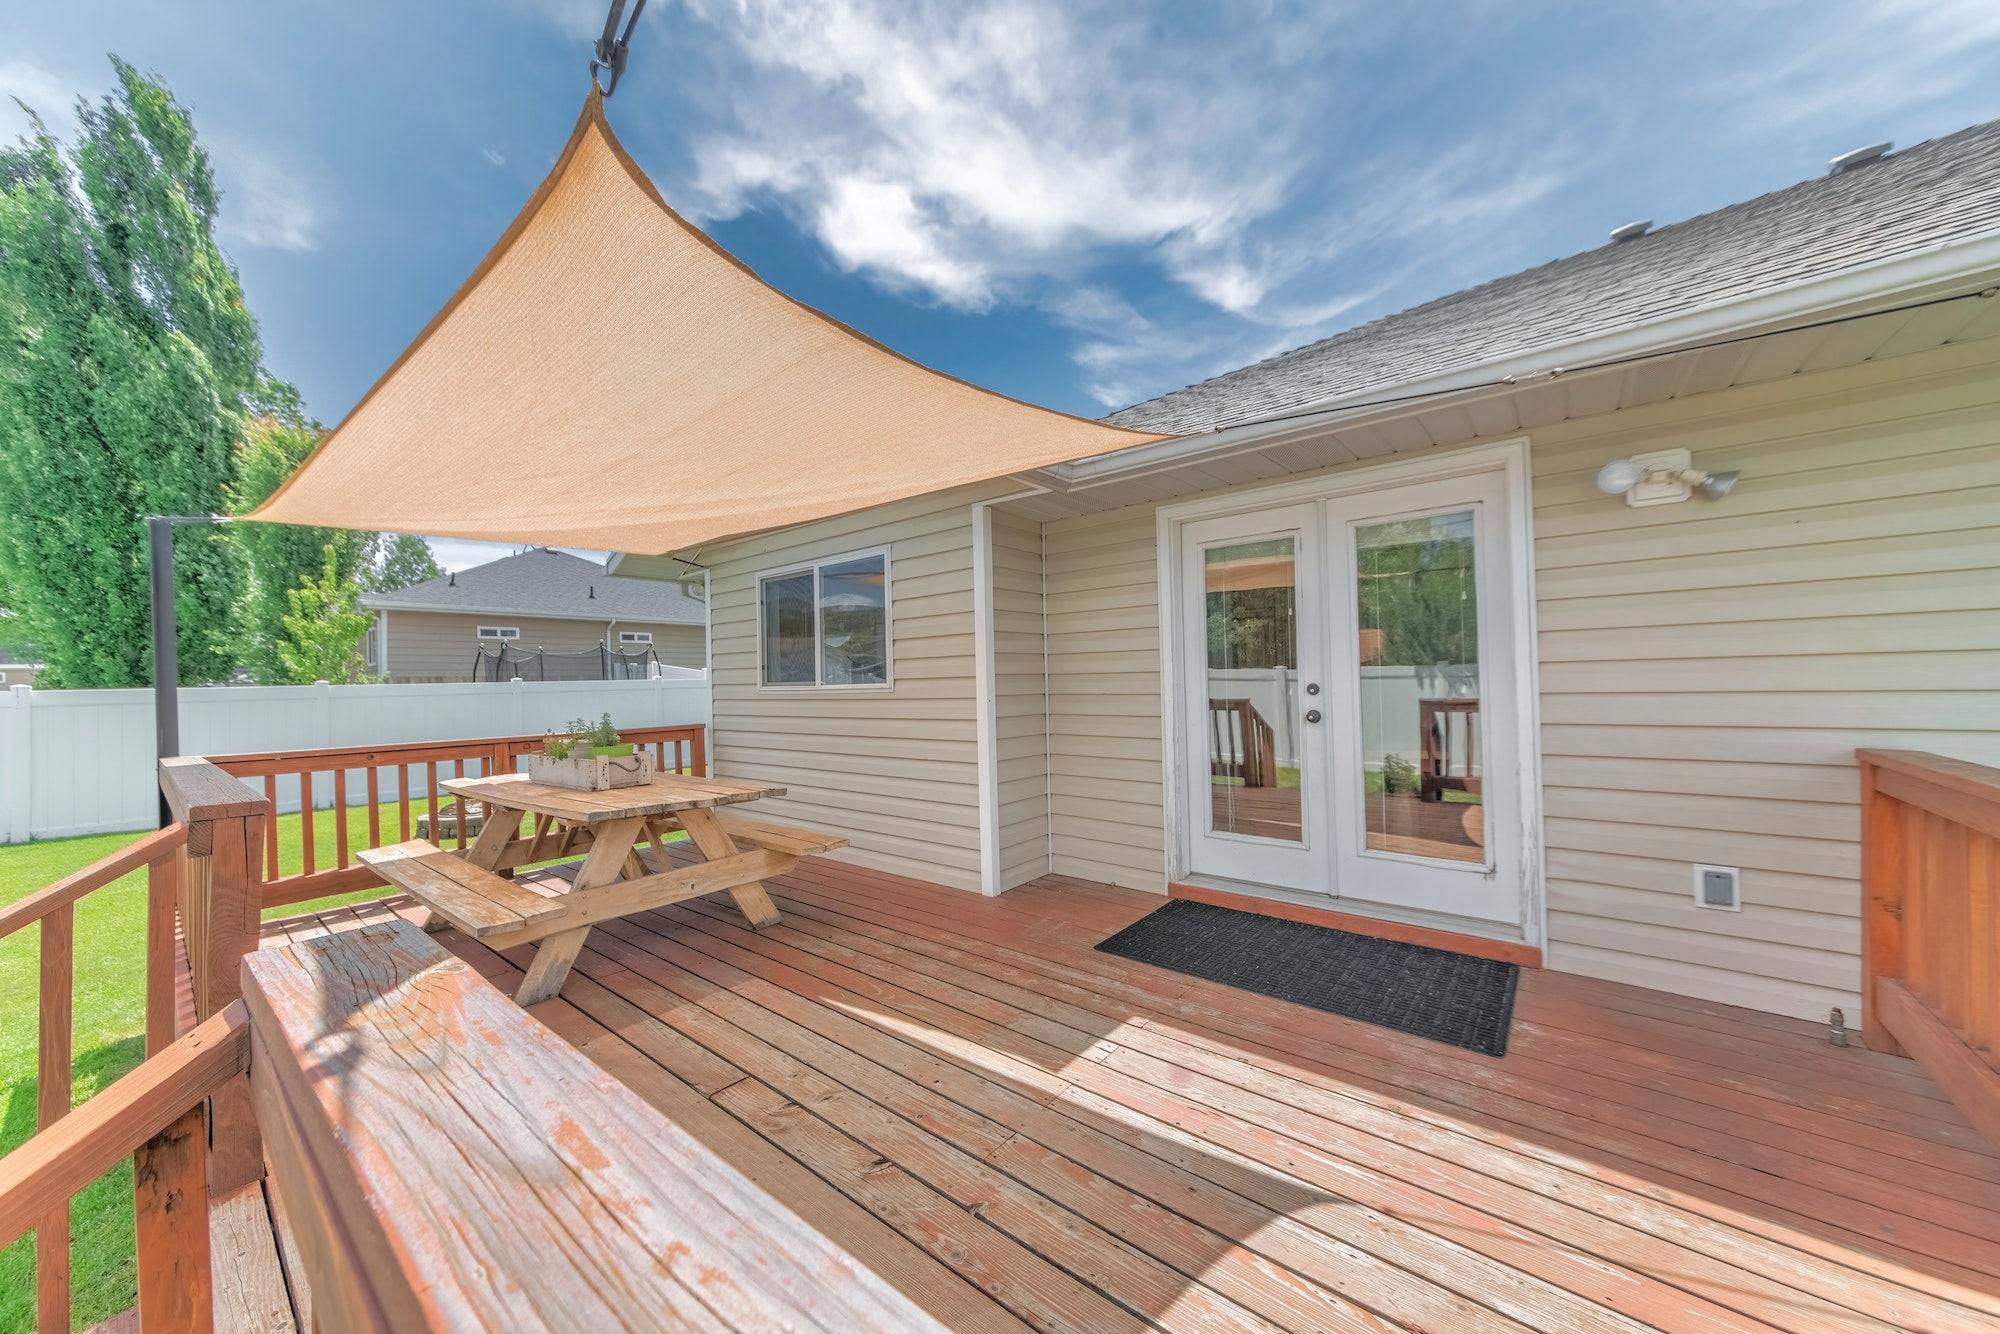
[(81, 761)]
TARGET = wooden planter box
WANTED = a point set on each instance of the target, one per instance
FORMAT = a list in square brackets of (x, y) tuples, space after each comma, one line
[(592, 773)]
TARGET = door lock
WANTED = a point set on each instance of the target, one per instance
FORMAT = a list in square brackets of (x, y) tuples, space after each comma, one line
[(1312, 715)]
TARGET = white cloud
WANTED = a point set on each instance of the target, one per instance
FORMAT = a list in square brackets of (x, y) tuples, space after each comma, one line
[(265, 203), (1861, 59), (50, 95), (961, 150)]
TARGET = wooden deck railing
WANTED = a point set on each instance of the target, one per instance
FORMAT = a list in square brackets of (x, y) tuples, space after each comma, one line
[(1930, 854), (54, 908), (424, 1133), (397, 788)]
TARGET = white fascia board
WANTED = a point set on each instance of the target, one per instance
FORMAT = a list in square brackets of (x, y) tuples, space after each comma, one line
[(526, 615), (1884, 283)]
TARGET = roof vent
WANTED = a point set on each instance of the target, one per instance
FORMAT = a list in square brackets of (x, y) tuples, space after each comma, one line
[(453, 581), (593, 590), (1631, 231), (1859, 157)]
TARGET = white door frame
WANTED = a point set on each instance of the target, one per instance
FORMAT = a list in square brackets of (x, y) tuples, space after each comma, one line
[(1507, 457)]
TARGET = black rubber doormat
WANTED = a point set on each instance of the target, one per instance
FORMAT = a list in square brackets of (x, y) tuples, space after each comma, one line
[(1431, 993)]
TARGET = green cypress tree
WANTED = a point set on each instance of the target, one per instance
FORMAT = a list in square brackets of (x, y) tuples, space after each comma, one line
[(281, 554), (128, 366)]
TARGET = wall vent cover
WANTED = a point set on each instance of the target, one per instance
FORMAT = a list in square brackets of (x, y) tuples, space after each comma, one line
[(1718, 887)]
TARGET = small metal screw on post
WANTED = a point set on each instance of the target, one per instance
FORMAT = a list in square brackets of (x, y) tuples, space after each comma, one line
[(1836, 1029)]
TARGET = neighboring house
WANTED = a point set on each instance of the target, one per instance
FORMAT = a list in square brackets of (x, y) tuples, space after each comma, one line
[(14, 672), (1367, 634), (539, 599)]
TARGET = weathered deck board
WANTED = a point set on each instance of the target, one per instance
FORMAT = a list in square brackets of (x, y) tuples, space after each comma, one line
[(968, 1095)]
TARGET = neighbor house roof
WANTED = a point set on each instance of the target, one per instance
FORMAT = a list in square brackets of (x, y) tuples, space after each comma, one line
[(541, 582), (1938, 192)]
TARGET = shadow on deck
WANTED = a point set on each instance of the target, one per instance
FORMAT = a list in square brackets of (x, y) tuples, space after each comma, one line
[(1013, 1128)]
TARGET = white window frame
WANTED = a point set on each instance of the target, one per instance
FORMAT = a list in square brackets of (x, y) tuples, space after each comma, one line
[(503, 634), (819, 664), (635, 637)]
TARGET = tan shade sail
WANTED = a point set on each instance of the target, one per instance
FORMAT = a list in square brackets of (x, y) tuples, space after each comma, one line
[(609, 377)]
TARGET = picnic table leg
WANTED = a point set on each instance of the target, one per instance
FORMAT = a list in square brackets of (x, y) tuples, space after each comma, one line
[(715, 843), (554, 954)]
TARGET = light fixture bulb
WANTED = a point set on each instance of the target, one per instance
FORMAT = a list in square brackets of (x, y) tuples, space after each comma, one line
[(1618, 476), (1716, 485)]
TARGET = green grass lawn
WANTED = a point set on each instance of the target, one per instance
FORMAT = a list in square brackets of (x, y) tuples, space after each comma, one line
[(110, 1018)]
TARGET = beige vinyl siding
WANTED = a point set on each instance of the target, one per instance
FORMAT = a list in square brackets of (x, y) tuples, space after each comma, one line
[(1105, 771), (1708, 670), (894, 770), (439, 646), (1020, 689)]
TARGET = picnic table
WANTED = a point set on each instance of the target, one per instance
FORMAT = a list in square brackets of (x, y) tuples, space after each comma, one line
[(466, 890)]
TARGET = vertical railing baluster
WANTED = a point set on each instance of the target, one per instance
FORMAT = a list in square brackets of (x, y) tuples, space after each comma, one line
[(163, 875), (306, 814), (431, 796), (403, 803), (271, 828), (52, 1098), (340, 817), (374, 808), (458, 802)]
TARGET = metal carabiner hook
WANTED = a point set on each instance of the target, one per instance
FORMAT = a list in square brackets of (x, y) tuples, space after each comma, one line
[(609, 53)]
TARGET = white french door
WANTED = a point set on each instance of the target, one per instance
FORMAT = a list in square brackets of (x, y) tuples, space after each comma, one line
[(1253, 651), (1350, 676)]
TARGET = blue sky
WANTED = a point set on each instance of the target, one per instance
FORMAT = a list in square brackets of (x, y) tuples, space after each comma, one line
[(1079, 204)]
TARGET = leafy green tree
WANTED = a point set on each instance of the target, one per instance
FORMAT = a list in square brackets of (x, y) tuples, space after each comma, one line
[(128, 364), (282, 554), (405, 560), (323, 627), (1419, 593)]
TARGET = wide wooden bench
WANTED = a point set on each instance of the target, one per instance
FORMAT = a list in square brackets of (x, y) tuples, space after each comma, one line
[(476, 901)]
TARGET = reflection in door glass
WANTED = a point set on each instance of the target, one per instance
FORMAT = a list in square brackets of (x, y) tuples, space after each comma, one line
[(1253, 667), (1421, 755)]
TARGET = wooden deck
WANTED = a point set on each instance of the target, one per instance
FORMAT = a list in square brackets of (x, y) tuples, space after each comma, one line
[(1015, 1129)]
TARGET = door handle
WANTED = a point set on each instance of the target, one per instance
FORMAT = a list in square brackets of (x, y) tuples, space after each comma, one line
[(1312, 715)]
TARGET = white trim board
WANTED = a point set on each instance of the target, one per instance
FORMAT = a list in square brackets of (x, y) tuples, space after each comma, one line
[(985, 704), (1510, 457)]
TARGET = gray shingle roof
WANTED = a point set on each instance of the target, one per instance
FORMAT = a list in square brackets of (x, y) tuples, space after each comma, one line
[(541, 582), (1939, 191)]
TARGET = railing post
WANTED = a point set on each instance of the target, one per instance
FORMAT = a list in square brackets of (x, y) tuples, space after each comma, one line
[(1884, 875), (52, 1100), (170, 1212), (222, 904)]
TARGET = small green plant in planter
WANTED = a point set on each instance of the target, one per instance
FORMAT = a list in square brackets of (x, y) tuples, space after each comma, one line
[(589, 757), (601, 736)]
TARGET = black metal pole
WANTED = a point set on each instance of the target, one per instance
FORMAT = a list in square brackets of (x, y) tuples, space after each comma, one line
[(166, 649), (166, 639)]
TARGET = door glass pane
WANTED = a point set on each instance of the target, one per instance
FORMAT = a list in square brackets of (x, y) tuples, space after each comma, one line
[(854, 622), (788, 630), (1253, 667), (1421, 751)]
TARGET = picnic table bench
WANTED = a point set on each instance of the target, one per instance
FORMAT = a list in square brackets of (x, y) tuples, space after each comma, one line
[(608, 827)]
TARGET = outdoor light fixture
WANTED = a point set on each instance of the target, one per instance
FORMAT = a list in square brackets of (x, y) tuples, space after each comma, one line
[(1661, 478)]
